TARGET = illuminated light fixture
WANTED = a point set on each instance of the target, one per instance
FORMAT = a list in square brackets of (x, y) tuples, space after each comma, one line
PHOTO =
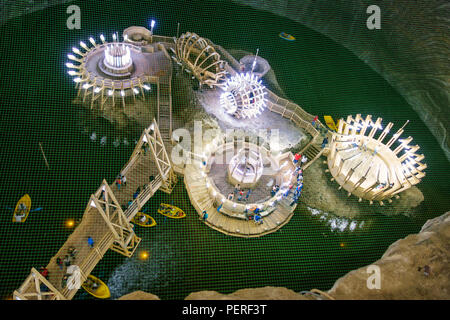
[(114, 37), (214, 193), (78, 79), (70, 65), (72, 73), (84, 46), (243, 96), (125, 37), (77, 51), (110, 92), (122, 93), (144, 255), (118, 57), (152, 24), (102, 38), (92, 40), (97, 90), (146, 87), (86, 86), (72, 57), (70, 223), (136, 91)]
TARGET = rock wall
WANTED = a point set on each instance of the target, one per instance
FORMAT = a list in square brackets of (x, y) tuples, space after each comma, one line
[(402, 268), (12, 8), (410, 50)]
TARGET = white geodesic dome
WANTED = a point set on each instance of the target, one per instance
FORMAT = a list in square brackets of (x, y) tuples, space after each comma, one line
[(243, 96)]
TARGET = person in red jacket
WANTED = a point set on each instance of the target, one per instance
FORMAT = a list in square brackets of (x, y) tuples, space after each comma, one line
[(44, 272), (297, 157)]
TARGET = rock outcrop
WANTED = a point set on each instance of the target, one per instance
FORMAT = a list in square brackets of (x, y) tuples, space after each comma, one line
[(416, 267), (265, 293), (139, 295)]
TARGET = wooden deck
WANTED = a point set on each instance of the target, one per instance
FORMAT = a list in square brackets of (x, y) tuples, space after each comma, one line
[(198, 193)]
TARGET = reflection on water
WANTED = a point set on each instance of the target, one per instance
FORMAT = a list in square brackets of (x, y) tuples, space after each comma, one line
[(336, 223), (159, 271)]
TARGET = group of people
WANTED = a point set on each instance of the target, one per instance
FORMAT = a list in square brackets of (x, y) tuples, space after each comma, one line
[(68, 260), (239, 193), (121, 180), (298, 157), (299, 186), (254, 214)]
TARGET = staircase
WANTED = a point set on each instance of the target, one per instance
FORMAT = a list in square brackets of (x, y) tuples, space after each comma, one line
[(312, 152), (165, 109)]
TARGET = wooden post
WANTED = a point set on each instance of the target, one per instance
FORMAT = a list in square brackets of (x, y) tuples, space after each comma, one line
[(43, 154)]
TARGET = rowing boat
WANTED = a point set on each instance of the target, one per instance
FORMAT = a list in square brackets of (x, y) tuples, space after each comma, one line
[(149, 221), (101, 291), (171, 211), (22, 209), (286, 36)]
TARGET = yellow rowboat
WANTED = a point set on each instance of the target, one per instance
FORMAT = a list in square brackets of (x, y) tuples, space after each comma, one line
[(147, 222), (22, 210), (286, 36), (171, 211), (330, 123), (96, 287)]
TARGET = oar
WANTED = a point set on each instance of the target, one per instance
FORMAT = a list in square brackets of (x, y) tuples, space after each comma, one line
[(6, 207), (37, 209)]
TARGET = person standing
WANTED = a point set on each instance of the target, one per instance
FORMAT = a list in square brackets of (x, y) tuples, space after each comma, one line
[(205, 215), (304, 159), (324, 142), (248, 194), (241, 194), (59, 263), (44, 272), (118, 183), (90, 242), (237, 187)]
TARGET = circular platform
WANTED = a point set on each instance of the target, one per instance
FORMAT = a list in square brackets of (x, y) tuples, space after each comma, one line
[(233, 213)]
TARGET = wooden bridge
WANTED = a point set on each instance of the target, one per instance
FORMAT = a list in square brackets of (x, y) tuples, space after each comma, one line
[(107, 219)]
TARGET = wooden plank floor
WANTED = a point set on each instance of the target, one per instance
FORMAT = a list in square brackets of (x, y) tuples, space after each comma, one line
[(198, 193)]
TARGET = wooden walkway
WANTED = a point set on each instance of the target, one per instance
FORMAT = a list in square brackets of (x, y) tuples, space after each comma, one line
[(107, 219), (196, 183)]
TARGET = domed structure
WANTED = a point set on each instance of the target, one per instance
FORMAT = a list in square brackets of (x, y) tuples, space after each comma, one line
[(368, 168), (117, 61), (199, 57), (108, 71), (246, 168), (243, 96)]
